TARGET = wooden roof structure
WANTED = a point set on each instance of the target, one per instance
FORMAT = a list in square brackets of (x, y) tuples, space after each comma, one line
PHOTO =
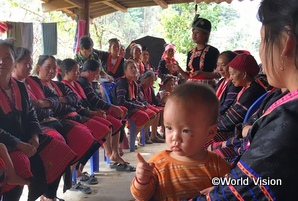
[(90, 9), (99, 8)]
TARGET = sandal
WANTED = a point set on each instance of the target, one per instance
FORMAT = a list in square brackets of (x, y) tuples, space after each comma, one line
[(125, 168), (87, 179), (114, 165), (80, 187), (43, 198)]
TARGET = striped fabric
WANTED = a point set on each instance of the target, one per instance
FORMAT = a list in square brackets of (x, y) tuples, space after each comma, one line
[(177, 180)]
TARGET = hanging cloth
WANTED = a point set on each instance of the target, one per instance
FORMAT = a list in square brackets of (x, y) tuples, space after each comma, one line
[(23, 34), (79, 33), (49, 38)]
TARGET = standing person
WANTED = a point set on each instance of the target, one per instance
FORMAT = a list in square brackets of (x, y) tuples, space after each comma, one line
[(269, 164), (20, 130), (111, 61), (187, 168), (201, 61), (226, 92)]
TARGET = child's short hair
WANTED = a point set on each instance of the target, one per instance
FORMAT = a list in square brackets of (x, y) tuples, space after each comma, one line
[(200, 94), (127, 62), (86, 42)]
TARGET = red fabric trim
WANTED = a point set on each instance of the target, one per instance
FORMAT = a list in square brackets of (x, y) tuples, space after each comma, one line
[(57, 89), (221, 88), (77, 89), (109, 64), (35, 89), (6, 103)]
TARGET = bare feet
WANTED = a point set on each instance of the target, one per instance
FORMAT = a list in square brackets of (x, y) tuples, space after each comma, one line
[(43, 198), (117, 158), (108, 153), (17, 180)]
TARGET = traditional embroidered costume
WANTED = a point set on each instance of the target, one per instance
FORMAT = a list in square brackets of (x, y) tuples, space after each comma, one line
[(19, 123)]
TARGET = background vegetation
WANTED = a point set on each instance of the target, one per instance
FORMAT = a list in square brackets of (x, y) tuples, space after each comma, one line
[(233, 25)]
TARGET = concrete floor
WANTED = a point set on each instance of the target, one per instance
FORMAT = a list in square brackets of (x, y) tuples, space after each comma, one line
[(112, 185)]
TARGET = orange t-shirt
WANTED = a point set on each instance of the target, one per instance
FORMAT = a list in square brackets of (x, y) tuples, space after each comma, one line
[(178, 180)]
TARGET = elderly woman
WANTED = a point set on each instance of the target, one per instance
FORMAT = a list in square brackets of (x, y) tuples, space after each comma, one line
[(242, 69), (268, 166), (167, 63), (226, 92), (20, 131)]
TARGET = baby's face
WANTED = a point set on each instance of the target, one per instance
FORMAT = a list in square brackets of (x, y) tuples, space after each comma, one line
[(187, 129)]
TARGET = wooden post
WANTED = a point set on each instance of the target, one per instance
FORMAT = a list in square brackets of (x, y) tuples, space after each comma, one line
[(87, 17), (84, 14)]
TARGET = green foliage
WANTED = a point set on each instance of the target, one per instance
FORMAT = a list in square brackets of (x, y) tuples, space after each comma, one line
[(177, 20)]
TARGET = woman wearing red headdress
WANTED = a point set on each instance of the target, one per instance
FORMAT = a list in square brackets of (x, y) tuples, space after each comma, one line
[(167, 63)]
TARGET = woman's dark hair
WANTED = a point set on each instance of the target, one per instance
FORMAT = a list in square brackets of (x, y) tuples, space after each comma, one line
[(127, 62), (147, 74), (113, 41), (10, 46), (278, 16), (91, 65), (67, 65), (41, 60), (229, 54), (21, 52), (86, 42)]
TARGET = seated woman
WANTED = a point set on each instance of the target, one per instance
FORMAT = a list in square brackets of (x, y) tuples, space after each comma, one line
[(147, 95), (167, 63), (20, 131), (111, 61), (239, 142), (92, 100), (99, 127), (125, 93), (146, 59), (70, 74), (48, 105), (243, 68), (226, 92), (136, 53)]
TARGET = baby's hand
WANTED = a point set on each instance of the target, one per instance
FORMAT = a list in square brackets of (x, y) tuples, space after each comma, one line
[(144, 171), (207, 190)]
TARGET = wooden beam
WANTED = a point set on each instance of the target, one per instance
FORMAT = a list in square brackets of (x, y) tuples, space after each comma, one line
[(87, 17), (115, 5), (55, 5), (161, 3), (76, 3)]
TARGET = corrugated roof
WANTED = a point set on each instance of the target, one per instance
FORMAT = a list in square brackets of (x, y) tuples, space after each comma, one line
[(103, 7)]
